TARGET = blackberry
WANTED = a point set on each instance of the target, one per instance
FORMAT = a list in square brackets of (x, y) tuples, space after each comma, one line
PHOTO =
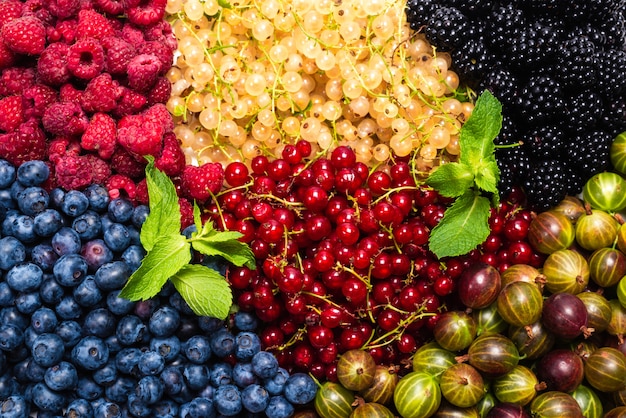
[(537, 45), (547, 183), (418, 12), (613, 28), (589, 152), (611, 72), (514, 164), (503, 84), (508, 134), (472, 60), (506, 22), (541, 100), (577, 56), (471, 7), (544, 141), (614, 117), (584, 109), (448, 27)]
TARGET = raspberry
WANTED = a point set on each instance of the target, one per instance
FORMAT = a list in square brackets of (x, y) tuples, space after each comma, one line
[(111, 7), (27, 142), (159, 115), (124, 163), (73, 172), (67, 30), (63, 9), (199, 182), (118, 53), (25, 35), (65, 119), (9, 10), (36, 99), (52, 64), (130, 103), (162, 33), (147, 12), (100, 170), (11, 113), (141, 192), (86, 58), (100, 135), (172, 159), (69, 93), (92, 24), (160, 92), (7, 57), (143, 71), (119, 185), (139, 136), (161, 51), (101, 94), (186, 212), (62, 146), (38, 9), (133, 35)]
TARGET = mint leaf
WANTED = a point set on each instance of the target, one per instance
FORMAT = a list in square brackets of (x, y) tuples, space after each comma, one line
[(464, 226), (487, 176), (197, 217), (206, 291), (168, 255), (164, 216), (478, 132), (451, 179), (235, 252)]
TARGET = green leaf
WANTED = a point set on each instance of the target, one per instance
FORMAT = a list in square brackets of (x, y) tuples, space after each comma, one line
[(164, 216), (235, 252), (206, 292), (451, 179), (478, 132), (197, 219), (463, 227), (225, 4), (169, 254), (487, 176)]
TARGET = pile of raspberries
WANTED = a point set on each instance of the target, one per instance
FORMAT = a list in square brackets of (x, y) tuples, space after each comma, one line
[(83, 87)]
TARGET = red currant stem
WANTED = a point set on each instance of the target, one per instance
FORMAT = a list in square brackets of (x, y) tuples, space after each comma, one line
[(390, 232), (219, 210), (397, 332), (329, 301), (370, 312), (317, 382), (230, 189), (297, 336), (513, 145), (390, 191), (355, 206), (366, 281), (279, 200)]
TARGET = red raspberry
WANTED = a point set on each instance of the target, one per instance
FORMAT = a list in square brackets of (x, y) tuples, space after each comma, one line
[(158, 115), (126, 164), (63, 9), (131, 103), (36, 99), (52, 64), (162, 33), (140, 136), (133, 35), (66, 30), (38, 9), (92, 24), (100, 170), (25, 35), (7, 57), (141, 192), (147, 12), (9, 10), (160, 92), (100, 135), (69, 93), (86, 58), (119, 185), (118, 54), (27, 142), (172, 159), (15, 80), (65, 119), (198, 181), (161, 51), (143, 71), (110, 7), (62, 146), (11, 113), (101, 94), (73, 172), (186, 212)]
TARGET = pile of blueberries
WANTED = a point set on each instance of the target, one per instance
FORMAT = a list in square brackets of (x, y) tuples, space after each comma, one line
[(70, 347)]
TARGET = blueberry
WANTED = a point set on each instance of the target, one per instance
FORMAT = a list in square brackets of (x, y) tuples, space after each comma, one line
[(56, 197), (197, 349), (11, 316), (300, 388), (33, 200), (70, 332), (96, 253), (48, 222), (136, 407), (145, 308), (32, 173), (44, 320), (223, 343), (7, 296), (11, 337), (23, 228), (62, 376), (164, 321), (221, 374), (165, 409), (74, 203), (133, 255), (199, 408), (243, 375), (88, 225), (3, 365), (12, 252), (106, 374), (8, 385), (173, 380), (68, 308), (98, 197), (228, 400), (113, 343), (117, 237), (25, 277), (79, 408), (16, 189), (247, 345), (245, 321), (14, 406), (66, 241), (46, 399), (279, 407), (34, 371), (113, 275), (140, 213), (7, 174), (275, 385), (255, 398), (120, 210), (127, 359), (108, 410), (87, 294), (90, 353), (216, 263), (50, 291), (151, 363), (131, 330), (47, 350), (177, 301), (7, 223), (44, 256), (119, 306), (196, 375), (209, 324), (264, 365), (149, 389), (27, 303), (88, 389), (99, 322), (119, 390)]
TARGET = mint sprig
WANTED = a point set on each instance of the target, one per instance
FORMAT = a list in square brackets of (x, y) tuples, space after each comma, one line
[(169, 253), (465, 225)]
